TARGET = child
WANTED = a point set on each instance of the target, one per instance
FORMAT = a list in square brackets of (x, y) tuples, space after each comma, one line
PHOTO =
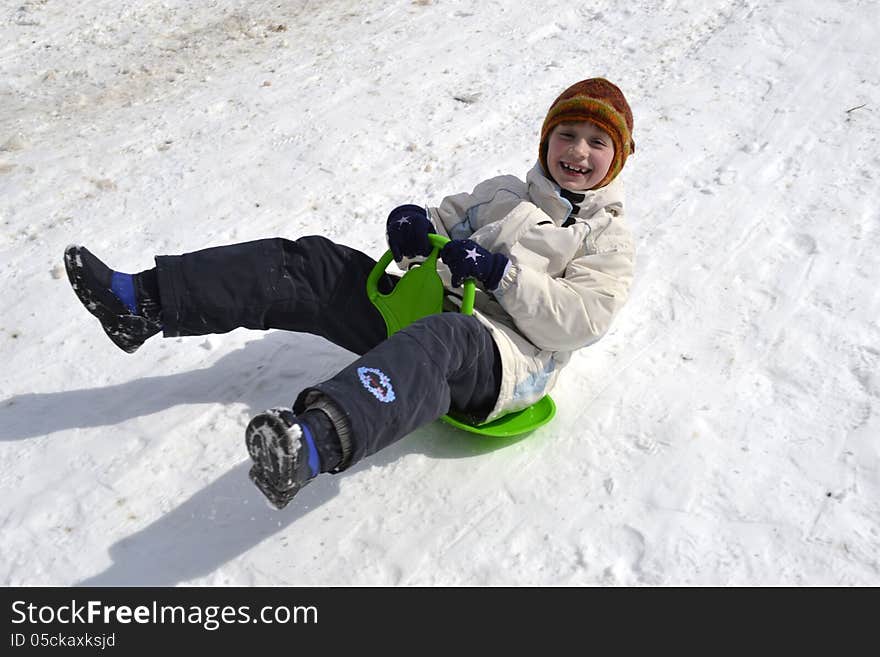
[(552, 258)]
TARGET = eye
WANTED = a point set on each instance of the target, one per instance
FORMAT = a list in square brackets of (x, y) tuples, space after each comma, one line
[(599, 142)]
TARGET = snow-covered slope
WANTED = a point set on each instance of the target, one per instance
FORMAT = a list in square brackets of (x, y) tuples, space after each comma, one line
[(725, 432)]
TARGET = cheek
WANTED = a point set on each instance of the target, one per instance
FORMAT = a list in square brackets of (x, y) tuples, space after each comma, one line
[(605, 159)]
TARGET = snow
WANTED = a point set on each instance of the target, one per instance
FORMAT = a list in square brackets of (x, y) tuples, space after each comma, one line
[(724, 433)]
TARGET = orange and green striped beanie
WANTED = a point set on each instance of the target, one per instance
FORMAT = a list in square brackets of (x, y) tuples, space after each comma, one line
[(600, 102)]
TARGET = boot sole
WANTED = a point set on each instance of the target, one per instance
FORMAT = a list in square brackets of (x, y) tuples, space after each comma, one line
[(272, 450)]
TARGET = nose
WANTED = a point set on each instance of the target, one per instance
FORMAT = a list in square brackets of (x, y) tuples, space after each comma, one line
[(579, 148)]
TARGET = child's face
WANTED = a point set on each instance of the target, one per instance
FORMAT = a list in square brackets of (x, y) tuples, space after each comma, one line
[(579, 155)]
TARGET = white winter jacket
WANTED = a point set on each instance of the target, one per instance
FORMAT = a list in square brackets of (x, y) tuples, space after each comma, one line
[(563, 286)]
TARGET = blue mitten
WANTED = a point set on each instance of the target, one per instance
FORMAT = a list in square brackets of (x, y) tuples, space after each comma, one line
[(467, 259), (407, 232)]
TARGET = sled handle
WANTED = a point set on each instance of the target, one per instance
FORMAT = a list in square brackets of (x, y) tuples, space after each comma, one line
[(438, 242), (467, 297)]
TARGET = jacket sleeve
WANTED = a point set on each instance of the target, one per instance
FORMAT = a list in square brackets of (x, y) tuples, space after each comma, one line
[(574, 310), (459, 215)]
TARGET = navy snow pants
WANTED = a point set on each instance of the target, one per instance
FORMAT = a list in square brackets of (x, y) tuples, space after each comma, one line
[(313, 285)]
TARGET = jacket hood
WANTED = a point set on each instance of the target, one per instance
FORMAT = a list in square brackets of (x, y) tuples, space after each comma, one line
[(548, 196)]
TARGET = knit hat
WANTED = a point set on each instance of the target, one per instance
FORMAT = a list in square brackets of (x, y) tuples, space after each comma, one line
[(602, 103)]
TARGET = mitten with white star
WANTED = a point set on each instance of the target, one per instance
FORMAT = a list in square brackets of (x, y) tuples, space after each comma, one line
[(467, 259), (407, 232)]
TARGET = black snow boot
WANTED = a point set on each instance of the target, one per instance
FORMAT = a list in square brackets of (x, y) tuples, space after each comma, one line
[(285, 457), (126, 305)]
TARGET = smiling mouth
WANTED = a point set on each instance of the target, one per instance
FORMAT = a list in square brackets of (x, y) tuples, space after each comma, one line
[(573, 169)]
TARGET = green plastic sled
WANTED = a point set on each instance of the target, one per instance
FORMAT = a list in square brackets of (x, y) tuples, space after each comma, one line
[(420, 293)]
